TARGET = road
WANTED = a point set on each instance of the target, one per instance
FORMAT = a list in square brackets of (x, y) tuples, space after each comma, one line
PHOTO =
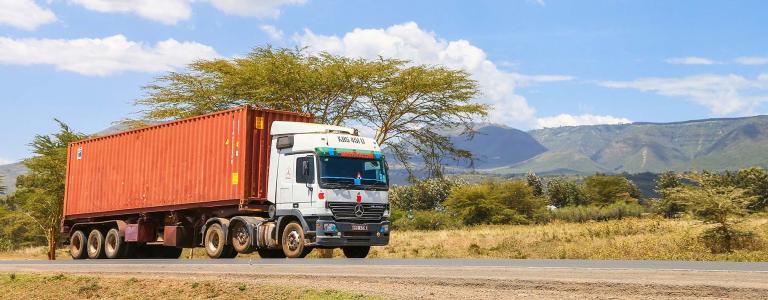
[(453, 278)]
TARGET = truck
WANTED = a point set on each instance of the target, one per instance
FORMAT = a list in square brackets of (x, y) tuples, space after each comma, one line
[(233, 182)]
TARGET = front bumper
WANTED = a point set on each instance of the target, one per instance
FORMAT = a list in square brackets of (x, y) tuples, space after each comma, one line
[(345, 236)]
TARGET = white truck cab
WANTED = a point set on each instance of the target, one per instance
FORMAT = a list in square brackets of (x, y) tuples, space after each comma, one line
[(334, 181)]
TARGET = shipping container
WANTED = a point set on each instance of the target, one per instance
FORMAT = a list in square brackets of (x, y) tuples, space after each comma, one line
[(219, 159)]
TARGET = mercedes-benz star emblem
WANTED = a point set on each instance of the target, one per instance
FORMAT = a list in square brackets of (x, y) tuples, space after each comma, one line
[(359, 211)]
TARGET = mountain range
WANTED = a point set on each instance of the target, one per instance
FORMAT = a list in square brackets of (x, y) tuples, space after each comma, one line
[(711, 144)]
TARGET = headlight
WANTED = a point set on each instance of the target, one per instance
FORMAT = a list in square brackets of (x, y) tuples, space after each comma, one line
[(329, 227), (384, 228)]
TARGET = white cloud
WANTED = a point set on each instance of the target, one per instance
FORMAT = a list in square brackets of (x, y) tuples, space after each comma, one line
[(259, 8), (408, 41), (4, 161), (172, 11), (24, 14), (272, 31), (164, 11), (579, 120), (691, 60), (102, 56), (721, 94), (752, 60)]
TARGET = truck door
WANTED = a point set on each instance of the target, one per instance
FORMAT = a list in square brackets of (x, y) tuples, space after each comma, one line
[(305, 178), (285, 180)]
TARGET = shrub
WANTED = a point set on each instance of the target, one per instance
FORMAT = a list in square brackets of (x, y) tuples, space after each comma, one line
[(562, 192), (422, 194), (426, 220), (604, 190), (725, 239), (616, 211), (504, 202)]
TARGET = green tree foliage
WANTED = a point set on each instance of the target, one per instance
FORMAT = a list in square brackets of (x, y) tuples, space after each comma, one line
[(562, 192), (40, 193), (755, 182), (2, 186), (406, 104), (584, 213), (666, 184), (504, 202), (422, 194), (715, 201), (604, 190), (534, 182)]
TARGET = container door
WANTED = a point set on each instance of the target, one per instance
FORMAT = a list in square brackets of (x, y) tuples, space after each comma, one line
[(305, 178)]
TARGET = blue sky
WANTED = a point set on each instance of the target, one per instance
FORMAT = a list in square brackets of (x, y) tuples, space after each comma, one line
[(540, 63)]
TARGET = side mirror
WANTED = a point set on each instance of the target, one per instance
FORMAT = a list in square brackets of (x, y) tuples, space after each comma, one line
[(305, 168)]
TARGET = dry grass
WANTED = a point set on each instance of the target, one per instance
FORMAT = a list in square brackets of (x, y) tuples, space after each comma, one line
[(632, 238), (30, 286)]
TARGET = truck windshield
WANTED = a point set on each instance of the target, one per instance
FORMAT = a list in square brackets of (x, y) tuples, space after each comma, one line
[(351, 172)]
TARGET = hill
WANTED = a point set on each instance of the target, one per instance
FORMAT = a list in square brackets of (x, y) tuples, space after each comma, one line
[(712, 144), (9, 174)]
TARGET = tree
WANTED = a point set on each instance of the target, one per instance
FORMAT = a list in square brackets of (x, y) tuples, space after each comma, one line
[(505, 202), (40, 194), (2, 186), (426, 194), (755, 181), (717, 205), (534, 182), (405, 104), (666, 185), (605, 190), (562, 192)]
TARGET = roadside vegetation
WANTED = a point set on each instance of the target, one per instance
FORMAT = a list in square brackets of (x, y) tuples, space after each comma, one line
[(724, 210), (32, 286)]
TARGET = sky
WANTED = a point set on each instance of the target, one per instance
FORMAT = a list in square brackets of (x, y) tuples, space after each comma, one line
[(540, 63)]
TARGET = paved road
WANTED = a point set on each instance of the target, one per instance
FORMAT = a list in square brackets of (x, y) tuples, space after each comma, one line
[(451, 278)]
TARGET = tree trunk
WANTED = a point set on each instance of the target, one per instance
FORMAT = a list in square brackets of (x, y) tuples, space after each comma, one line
[(52, 237)]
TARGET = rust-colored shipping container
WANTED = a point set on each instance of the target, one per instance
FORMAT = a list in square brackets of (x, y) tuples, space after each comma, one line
[(207, 161)]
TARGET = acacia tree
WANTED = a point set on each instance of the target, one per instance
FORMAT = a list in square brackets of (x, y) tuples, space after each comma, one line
[(40, 193), (406, 104)]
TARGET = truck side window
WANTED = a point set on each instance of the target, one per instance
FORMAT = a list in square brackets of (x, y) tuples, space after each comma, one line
[(305, 163)]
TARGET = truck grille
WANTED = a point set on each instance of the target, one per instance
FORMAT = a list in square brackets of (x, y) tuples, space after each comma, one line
[(346, 210)]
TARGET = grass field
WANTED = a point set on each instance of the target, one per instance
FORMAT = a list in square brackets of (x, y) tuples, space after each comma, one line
[(631, 238), (32, 286)]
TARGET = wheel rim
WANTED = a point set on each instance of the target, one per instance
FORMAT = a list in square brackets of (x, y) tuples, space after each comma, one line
[(241, 235), (213, 244), (293, 240), (111, 243), (93, 245), (76, 243)]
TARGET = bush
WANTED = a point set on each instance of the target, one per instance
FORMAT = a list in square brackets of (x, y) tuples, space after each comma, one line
[(616, 211), (505, 202), (725, 239), (562, 192), (425, 220), (422, 194), (604, 190)]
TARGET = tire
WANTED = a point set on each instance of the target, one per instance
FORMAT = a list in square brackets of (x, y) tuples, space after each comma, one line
[(293, 241), (356, 251), (95, 246), (114, 245), (271, 253), (77, 244), (230, 253), (241, 239), (215, 243)]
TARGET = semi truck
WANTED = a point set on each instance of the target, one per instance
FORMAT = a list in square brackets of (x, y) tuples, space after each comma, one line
[(232, 182)]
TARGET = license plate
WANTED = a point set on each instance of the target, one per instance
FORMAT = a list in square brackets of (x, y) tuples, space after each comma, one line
[(359, 227)]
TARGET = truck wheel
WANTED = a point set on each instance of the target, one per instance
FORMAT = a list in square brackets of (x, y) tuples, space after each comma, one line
[(356, 252), (271, 253), (114, 245), (95, 244), (77, 245), (293, 241), (241, 238), (215, 243)]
